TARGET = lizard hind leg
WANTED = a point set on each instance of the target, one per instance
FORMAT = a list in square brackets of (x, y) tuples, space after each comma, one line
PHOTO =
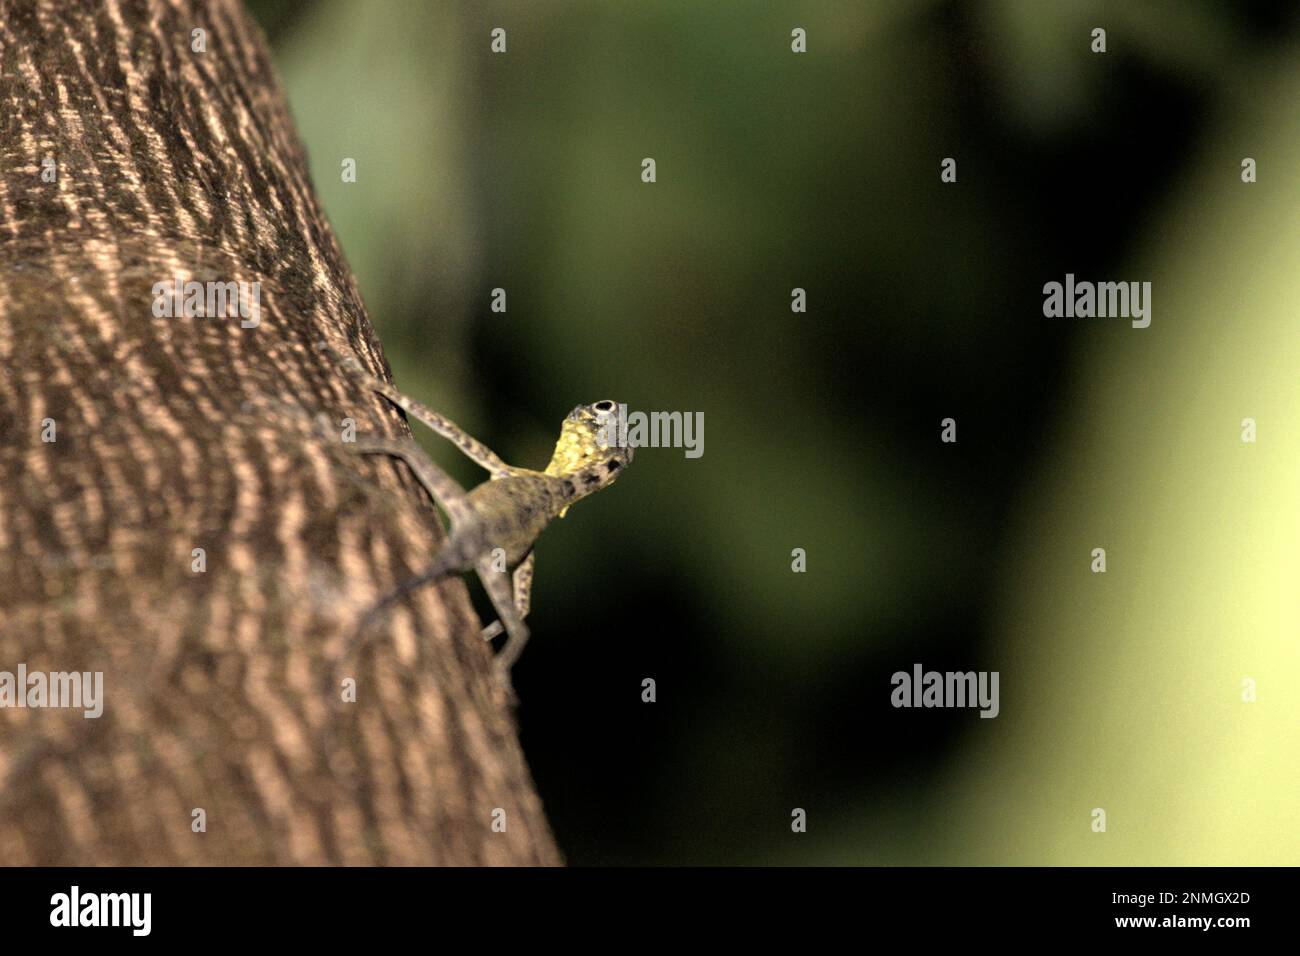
[(447, 495), (443, 566)]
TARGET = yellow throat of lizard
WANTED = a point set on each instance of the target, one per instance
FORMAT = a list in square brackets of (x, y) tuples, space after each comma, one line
[(579, 446)]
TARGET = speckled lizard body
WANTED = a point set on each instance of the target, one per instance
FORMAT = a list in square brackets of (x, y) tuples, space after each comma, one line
[(507, 512)]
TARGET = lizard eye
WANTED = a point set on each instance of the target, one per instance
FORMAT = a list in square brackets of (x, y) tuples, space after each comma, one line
[(603, 407)]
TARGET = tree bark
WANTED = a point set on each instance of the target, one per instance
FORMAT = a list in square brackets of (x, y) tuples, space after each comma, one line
[(221, 686)]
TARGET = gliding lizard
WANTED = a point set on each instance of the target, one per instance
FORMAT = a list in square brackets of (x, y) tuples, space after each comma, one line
[(506, 512)]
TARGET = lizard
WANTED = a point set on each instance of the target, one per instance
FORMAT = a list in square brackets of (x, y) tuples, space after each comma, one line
[(501, 517)]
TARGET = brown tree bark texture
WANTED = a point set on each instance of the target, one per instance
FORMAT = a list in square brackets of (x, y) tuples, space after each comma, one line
[(172, 434)]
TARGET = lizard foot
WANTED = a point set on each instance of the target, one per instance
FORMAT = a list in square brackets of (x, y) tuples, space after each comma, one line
[(507, 685)]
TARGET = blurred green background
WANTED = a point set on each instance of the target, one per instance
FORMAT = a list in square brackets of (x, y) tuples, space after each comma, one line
[(821, 171)]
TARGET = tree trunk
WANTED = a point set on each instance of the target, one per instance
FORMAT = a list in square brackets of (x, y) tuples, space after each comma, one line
[(129, 157)]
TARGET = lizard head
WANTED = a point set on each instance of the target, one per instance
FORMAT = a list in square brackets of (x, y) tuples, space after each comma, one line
[(588, 451)]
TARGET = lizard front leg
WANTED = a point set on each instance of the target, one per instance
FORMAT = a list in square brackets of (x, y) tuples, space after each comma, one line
[(474, 449), (523, 585), (442, 488), (499, 592)]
